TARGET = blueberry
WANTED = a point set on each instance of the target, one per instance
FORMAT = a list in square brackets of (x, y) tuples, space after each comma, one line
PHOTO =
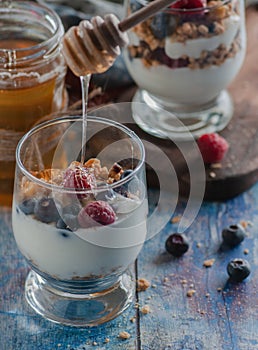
[(158, 25), (68, 222), (171, 25), (105, 194), (123, 190), (238, 270), (233, 235), (73, 209), (47, 210), (28, 205), (132, 186), (177, 244)]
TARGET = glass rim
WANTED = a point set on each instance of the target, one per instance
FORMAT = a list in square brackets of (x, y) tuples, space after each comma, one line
[(182, 10), (59, 188), (33, 9)]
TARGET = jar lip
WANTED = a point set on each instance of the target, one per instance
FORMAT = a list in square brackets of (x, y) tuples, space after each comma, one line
[(35, 9)]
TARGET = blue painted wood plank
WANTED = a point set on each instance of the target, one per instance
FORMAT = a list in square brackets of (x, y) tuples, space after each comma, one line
[(219, 315)]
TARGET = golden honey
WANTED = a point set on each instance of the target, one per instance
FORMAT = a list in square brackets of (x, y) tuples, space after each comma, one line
[(32, 78)]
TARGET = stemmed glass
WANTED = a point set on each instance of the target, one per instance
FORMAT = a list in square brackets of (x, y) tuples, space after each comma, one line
[(183, 60), (79, 217)]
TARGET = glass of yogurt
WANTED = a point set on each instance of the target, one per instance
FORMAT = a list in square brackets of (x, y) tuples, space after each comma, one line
[(183, 59), (79, 217)]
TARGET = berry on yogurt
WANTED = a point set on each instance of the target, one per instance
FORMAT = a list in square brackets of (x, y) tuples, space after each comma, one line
[(188, 4), (80, 178), (99, 212), (47, 210)]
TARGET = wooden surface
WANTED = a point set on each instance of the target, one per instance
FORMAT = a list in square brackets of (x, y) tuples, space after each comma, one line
[(210, 319)]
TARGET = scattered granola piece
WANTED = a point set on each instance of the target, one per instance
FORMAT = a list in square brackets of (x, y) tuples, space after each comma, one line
[(209, 262), (145, 309), (202, 312), (142, 284), (207, 295), (219, 289), (133, 319), (212, 174), (198, 245), (165, 280), (107, 340), (216, 165), (137, 305), (124, 335), (244, 223), (184, 281), (175, 219), (94, 343), (246, 251), (190, 293)]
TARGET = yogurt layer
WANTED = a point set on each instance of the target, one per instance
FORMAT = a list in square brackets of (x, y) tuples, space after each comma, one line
[(185, 85), (194, 47), (84, 254)]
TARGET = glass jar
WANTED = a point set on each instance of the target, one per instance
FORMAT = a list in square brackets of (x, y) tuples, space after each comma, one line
[(183, 59), (32, 77)]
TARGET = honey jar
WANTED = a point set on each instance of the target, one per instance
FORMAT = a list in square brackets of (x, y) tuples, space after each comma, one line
[(32, 77)]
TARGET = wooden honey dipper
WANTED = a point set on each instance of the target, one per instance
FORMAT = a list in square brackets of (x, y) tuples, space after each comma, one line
[(92, 46)]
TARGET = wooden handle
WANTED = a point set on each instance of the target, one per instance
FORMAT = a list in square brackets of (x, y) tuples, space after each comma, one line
[(143, 14)]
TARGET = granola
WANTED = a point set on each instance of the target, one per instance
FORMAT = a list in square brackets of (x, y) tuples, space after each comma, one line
[(151, 47)]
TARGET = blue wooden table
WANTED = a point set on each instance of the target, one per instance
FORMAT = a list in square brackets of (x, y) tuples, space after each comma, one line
[(217, 315)]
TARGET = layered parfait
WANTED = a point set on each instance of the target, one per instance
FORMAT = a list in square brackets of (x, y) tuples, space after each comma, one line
[(190, 52), (82, 223)]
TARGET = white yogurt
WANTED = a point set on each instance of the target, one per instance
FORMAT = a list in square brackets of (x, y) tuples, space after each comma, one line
[(87, 253), (194, 47), (185, 85)]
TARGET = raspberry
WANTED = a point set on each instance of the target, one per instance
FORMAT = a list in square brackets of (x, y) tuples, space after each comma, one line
[(188, 4), (98, 211), (213, 147), (79, 178)]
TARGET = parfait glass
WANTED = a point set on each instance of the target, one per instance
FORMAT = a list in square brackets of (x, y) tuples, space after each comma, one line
[(183, 59), (79, 217)]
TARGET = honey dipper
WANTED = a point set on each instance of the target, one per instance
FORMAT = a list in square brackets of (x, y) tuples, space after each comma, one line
[(92, 46)]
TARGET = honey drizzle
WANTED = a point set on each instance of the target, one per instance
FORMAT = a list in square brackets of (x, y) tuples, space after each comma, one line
[(85, 81)]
